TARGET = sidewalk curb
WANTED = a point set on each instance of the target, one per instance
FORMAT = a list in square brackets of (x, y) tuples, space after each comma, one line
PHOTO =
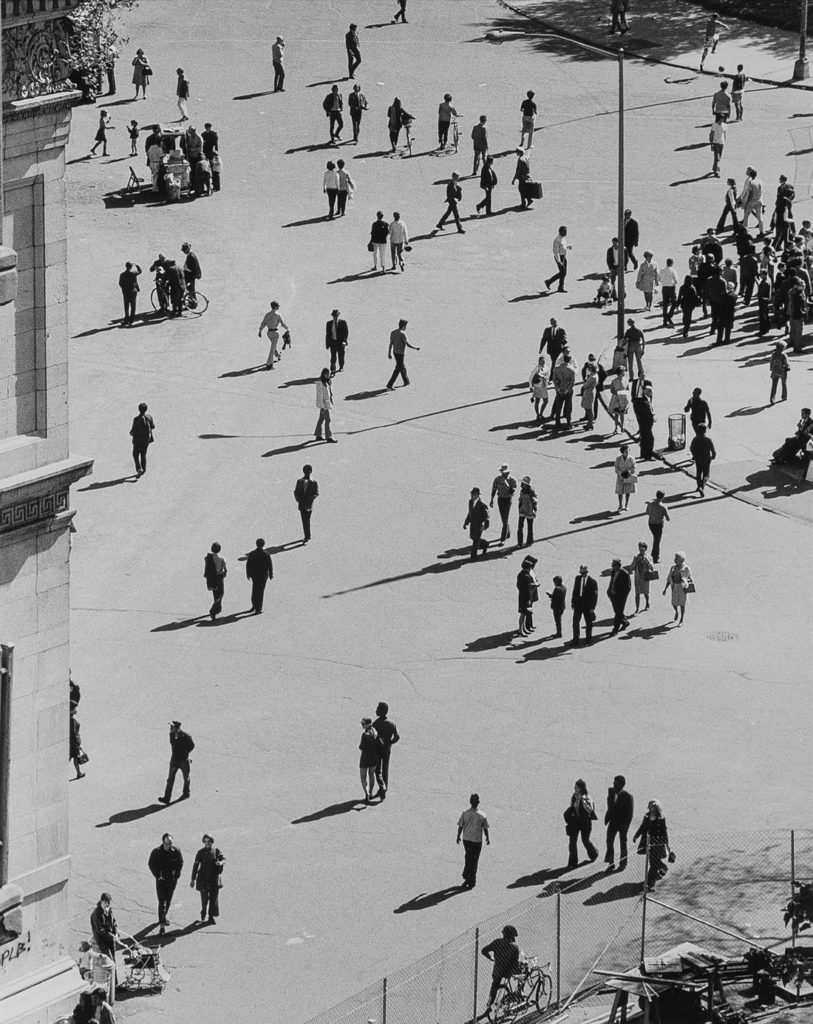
[(573, 37)]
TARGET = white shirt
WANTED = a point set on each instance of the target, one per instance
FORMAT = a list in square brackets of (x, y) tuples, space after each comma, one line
[(330, 180), (559, 247), (324, 395), (718, 133), (398, 232), (669, 277), (278, 52), (272, 320), (472, 823)]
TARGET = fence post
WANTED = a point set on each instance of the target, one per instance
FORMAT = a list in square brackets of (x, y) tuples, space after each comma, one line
[(384, 1001), (643, 905), (558, 950), (793, 879), (476, 971)]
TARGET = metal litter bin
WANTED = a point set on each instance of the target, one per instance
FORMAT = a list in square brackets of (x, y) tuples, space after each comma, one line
[(677, 432)]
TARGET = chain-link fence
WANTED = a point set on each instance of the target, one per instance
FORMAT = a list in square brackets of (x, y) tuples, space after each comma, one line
[(725, 892)]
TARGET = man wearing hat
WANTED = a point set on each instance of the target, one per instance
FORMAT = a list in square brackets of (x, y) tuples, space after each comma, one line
[(166, 864), (503, 489), (277, 57), (779, 368), (182, 746), (336, 335), (477, 522)]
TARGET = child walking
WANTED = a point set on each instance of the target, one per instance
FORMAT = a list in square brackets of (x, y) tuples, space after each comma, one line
[(132, 131), (101, 133), (558, 597)]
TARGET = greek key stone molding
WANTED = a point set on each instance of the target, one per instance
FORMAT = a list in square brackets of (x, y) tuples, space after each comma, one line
[(32, 510), (35, 60)]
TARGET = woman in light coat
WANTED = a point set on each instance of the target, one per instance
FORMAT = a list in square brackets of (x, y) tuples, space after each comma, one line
[(626, 477), (141, 73), (648, 278), (679, 579), (619, 398), (642, 567), (324, 403)]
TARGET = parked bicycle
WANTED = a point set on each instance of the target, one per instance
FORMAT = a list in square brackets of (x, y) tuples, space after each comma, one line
[(408, 123), (197, 303), (455, 134), (529, 991)]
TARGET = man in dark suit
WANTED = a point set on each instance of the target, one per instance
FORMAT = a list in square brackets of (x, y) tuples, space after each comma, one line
[(631, 235), (306, 492), (336, 335), (191, 269), (477, 522), (165, 864), (181, 745), (454, 194), (259, 569), (141, 432), (554, 339), (128, 282), (583, 601), (618, 591), (210, 141), (620, 809)]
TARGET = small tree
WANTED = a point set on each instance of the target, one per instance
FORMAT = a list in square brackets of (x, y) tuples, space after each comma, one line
[(94, 32)]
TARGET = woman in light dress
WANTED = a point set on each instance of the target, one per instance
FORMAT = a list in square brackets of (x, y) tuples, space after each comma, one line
[(642, 566), (141, 73), (679, 579), (619, 398), (626, 477)]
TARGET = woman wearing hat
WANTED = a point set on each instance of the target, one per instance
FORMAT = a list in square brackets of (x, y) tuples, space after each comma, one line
[(527, 508), (648, 278), (206, 878), (779, 368), (626, 477), (528, 587)]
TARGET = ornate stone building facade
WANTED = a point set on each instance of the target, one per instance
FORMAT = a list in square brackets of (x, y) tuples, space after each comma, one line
[(38, 980)]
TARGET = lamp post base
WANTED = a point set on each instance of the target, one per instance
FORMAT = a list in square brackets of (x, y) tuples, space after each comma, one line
[(801, 70)]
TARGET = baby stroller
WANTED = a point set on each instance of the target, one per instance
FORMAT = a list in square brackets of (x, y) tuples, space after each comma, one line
[(142, 968)]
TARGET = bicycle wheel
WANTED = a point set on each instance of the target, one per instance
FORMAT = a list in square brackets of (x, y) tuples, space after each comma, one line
[(502, 1009), (198, 305), (541, 988), (154, 299)]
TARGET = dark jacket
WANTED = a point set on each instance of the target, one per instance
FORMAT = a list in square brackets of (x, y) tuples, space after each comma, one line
[(387, 732), (488, 178), (558, 598), (477, 520), (658, 834), (379, 231), (182, 745), (342, 333), (128, 282), (620, 808), (210, 141), (588, 598), (306, 492), (702, 450), (528, 589), (259, 565), (619, 585), (142, 428), (166, 863), (104, 927), (192, 266), (208, 869), (370, 746), (182, 89), (454, 193), (554, 341), (505, 955), (631, 232)]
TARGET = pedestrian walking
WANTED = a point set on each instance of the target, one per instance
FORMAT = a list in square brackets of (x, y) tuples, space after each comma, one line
[(488, 180), (647, 280), (712, 37), (399, 240), (388, 736), (721, 102), (797, 311), (132, 132), (635, 342), (370, 747), (631, 236), (357, 104), (336, 338), (642, 572), (645, 415), (618, 15), (669, 286), (142, 73), (479, 139), (351, 45), (654, 837), (522, 175), (583, 601), (527, 507), (618, 590), (703, 453), (128, 283), (346, 188), (142, 432), (698, 409), (400, 14), (751, 199), (306, 491), (214, 572), (657, 514), (395, 122), (397, 350), (454, 195), (165, 864), (737, 89), (560, 251), (445, 114), (379, 235), (626, 477), (477, 522), (579, 817), (749, 268), (324, 403), (553, 341), (505, 956), (330, 186), (503, 489), (779, 368), (75, 751), (259, 569), (333, 104), (271, 323), (207, 878), (472, 827), (182, 92), (618, 818), (564, 381), (181, 746), (619, 397), (278, 60), (764, 295), (679, 581), (717, 134), (612, 260), (101, 133), (729, 207), (688, 300), (538, 383), (558, 600), (528, 595), (528, 111)]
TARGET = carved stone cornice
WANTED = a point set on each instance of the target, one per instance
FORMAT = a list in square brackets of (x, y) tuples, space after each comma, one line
[(39, 494), (18, 12), (36, 55)]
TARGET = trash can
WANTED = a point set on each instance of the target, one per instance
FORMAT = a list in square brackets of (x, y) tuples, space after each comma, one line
[(677, 432)]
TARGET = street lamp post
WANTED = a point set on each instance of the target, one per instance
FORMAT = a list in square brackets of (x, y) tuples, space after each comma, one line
[(801, 69), (622, 258)]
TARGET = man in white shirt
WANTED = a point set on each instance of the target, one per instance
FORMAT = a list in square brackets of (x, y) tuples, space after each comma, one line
[(751, 199), (717, 141), (277, 57), (399, 237), (560, 258), (669, 286), (471, 827)]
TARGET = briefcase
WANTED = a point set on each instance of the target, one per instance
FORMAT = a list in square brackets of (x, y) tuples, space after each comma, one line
[(533, 189)]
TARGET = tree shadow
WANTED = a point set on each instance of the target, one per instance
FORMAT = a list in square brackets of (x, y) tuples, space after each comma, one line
[(331, 811), (287, 449), (431, 899), (360, 396), (490, 643), (307, 221), (539, 877), (100, 484), (246, 372), (624, 891), (134, 814), (748, 410), (299, 383), (254, 95)]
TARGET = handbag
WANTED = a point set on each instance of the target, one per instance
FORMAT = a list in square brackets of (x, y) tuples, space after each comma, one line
[(370, 247), (689, 587), (147, 70), (652, 574), (82, 758)]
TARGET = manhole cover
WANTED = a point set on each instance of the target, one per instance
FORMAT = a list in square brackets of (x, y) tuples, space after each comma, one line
[(721, 636)]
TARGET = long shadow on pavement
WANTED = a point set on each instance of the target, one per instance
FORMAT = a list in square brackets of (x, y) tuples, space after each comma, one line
[(360, 396), (539, 877), (624, 891), (430, 899), (245, 372), (123, 817), (300, 381), (490, 643), (331, 811), (100, 484), (254, 95), (567, 887), (292, 448), (309, 220)]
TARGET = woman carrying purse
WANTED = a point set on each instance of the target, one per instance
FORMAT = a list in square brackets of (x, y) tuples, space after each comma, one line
[(654, 834), (579, 818)]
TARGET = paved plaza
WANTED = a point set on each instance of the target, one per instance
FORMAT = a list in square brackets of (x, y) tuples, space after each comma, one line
[(712, 718)]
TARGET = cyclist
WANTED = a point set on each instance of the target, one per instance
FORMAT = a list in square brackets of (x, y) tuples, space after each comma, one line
[(445, 112), (504, 954), (161, 286)]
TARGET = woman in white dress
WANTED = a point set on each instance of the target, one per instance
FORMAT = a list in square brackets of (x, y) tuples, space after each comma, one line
[(680, 580), (626, 477)]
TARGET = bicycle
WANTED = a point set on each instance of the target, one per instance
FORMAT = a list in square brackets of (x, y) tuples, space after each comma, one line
[(197, 305), (408, 132), (455, 134), (523, 993)]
